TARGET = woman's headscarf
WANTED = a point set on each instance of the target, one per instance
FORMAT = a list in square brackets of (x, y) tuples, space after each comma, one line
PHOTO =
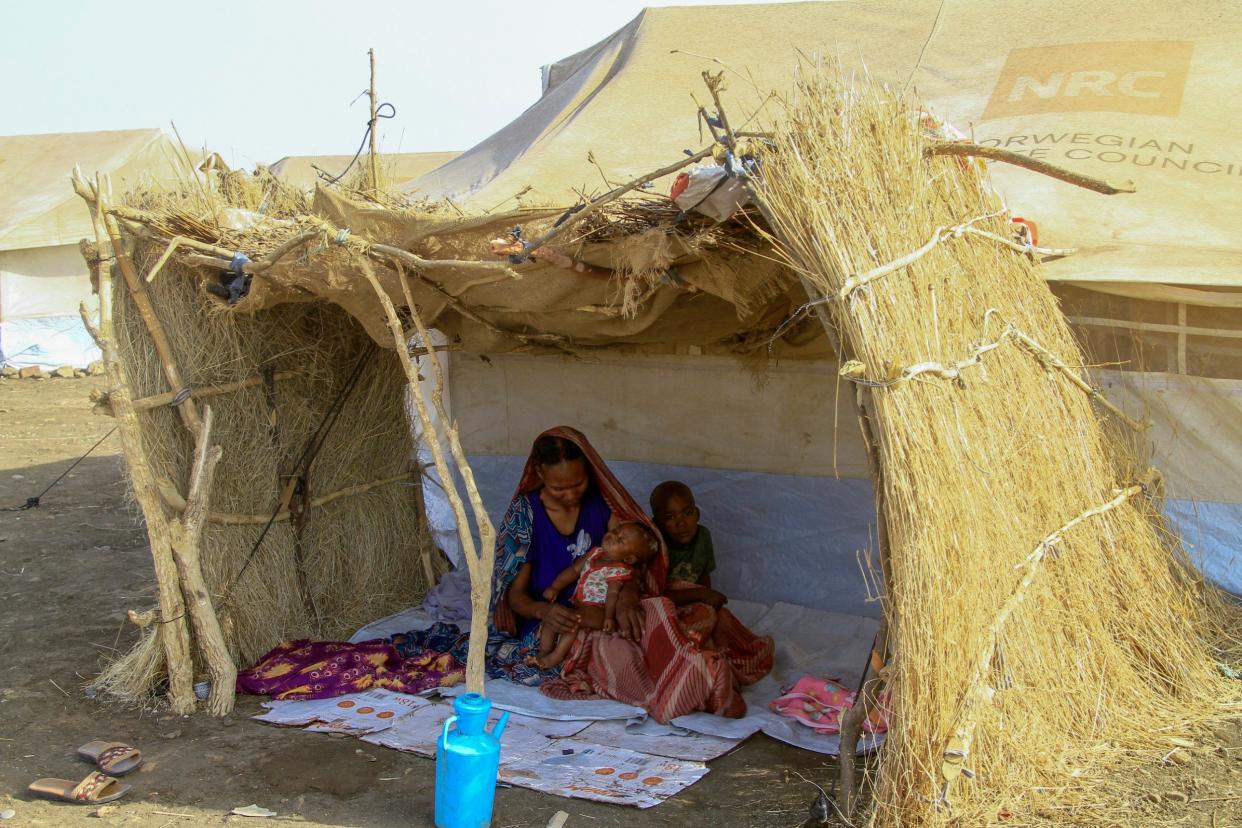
[(619, 501)]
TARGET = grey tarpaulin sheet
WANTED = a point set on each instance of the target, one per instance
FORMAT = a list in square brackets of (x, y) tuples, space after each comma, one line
[(779, 537)]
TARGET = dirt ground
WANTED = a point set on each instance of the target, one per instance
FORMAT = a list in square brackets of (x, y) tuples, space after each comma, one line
[(71, 568)]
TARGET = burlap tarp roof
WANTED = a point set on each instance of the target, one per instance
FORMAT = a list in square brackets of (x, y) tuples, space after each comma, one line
[(1096, 91)]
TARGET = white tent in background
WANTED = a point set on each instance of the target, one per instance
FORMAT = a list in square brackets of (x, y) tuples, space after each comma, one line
[(42, 275), (1156, 288), (302, 171)]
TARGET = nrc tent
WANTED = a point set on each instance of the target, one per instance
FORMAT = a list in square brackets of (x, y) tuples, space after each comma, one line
[(1155, 288), (42, 275), (677, 345), (304, 171)]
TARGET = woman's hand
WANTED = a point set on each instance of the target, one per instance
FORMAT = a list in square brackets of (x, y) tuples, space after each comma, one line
[(559, 618), (713, 598), (630, 613)]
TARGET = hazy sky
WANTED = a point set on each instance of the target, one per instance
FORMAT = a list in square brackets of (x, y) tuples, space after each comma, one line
[(257, 80)]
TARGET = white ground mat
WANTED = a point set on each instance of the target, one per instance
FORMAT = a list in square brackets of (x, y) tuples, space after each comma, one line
[(538, 753)]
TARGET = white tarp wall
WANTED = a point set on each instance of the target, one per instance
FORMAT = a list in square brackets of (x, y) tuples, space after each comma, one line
[(40, 290), (43, 277), (1196, 429)]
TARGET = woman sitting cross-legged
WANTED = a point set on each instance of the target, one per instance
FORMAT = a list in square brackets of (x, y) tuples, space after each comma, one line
[(668, 660)]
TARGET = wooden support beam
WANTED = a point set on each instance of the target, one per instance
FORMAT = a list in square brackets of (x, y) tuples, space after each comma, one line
[(205, 392), (138, 291), (374, 156), (852, 722), (173, 500), (172, 630), (1155, 327), (185, 549), (478, 559)]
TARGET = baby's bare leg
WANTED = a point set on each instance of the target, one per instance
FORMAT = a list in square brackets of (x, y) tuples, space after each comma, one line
[(547, 643), (554, 658)]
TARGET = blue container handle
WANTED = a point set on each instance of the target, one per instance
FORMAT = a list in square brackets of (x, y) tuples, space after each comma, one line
[(447, 724), (499, 727)]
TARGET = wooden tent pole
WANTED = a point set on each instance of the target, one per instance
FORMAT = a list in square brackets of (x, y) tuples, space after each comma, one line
[(371, 132), (476, 562), (481, 574), (852, 722), (138, 290), (173, 632), (185, 549)]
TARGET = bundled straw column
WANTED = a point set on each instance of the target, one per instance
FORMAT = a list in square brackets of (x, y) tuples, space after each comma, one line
[(1041, 625)]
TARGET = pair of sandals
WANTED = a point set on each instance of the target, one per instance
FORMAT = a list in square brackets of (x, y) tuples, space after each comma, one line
[(113, 759)]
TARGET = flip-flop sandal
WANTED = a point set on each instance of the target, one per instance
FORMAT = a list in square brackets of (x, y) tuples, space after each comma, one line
[(116, 758), (95, 788)]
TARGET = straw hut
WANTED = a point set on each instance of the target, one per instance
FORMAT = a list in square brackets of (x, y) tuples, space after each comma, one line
[(869, 324)]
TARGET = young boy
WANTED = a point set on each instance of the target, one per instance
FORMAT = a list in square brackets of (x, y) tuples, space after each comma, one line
[(691, 558), (600, 574)]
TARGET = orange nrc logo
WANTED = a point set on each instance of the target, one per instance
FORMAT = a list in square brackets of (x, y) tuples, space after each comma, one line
[(1144, 77)]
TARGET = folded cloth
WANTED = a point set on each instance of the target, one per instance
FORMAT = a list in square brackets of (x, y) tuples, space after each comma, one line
[(819, 704), (323, 669), (449, 600)]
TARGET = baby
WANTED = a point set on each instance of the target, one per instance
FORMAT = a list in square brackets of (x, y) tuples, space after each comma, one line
[(691, 558), (600, 574)]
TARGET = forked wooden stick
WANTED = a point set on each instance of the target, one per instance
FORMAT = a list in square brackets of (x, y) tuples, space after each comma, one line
[(186, 534), (477, 560)]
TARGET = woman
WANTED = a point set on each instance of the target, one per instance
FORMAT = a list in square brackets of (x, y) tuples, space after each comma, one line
[(668, 661)]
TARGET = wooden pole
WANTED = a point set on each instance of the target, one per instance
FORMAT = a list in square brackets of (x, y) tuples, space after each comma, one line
[(1034, 164), (185, 549), (174, 501), (375, 185), (138, 290), (173, 632), (852, 727), (207, 391), (481, 570), (478, 564)]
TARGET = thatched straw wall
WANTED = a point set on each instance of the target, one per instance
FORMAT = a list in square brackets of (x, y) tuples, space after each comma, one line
[(347, 562), (1033, 663)]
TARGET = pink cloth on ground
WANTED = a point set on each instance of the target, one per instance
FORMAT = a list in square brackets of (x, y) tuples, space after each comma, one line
[(819, 703)]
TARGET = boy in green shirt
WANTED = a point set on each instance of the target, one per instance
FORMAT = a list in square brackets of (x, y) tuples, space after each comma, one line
[(691, 558)]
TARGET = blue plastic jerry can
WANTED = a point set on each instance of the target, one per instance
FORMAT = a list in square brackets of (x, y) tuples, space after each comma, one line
[(467, 758)]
